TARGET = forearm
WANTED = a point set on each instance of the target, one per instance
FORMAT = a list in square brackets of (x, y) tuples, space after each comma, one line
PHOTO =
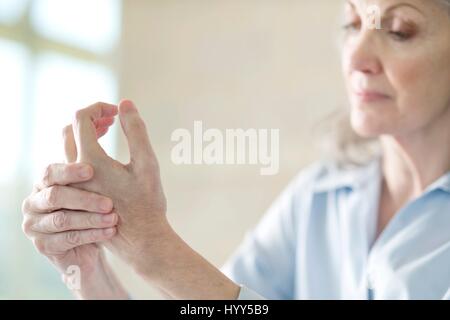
[(183, 274)]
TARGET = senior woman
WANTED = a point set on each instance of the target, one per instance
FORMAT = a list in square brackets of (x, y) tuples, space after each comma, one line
[(377, 229)]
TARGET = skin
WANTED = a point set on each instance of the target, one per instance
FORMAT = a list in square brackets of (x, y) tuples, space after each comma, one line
[(401, 76), (143, 236), (409, 61), (67, 224)]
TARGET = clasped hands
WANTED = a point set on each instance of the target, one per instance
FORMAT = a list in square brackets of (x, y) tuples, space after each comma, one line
[(94, 201)]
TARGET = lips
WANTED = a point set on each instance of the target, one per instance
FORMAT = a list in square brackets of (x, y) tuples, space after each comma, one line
[(371, 96)]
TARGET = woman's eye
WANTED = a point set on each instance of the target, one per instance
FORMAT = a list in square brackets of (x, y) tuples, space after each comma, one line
[(350, 27), (401, 31), (400, 36)]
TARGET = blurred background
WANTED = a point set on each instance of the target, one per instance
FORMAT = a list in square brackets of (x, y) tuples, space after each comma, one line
[(261, 64)]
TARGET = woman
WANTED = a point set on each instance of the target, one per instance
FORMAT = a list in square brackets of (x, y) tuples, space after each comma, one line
[(377, 229)]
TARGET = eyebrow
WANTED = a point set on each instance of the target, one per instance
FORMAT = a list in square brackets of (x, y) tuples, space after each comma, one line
[(393, 7)]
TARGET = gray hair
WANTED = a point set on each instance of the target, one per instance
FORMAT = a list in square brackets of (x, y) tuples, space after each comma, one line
[(341, 144), (445, 3)]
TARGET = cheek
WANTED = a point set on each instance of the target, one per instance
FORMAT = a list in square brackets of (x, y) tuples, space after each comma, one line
[(421, 86), (419, 81), (408, 79)]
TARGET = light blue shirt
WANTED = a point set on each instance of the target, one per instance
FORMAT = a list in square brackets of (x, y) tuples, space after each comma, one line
[(317, 241)]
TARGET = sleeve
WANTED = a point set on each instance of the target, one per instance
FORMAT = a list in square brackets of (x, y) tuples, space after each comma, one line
[(447, 295), (248, 294), (265, 263)]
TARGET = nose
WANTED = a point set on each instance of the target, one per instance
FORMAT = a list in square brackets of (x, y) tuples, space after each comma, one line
[(361, 55)]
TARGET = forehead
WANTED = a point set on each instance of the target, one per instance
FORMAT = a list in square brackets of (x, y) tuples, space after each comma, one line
[(420, 5), (433, 11)]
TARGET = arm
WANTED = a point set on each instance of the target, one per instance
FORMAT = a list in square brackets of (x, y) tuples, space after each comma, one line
[(183, 273)]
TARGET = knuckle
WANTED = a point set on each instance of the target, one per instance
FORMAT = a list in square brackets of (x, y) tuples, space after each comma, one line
[(94, 235), (40, 245), (51, 196), (46, 178), (67, 171), (73, 238), (90, 199), (26, 205), (60, 220), (27, 225), (91, 221)]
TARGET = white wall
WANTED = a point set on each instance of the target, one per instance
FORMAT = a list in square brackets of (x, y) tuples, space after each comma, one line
[(231, 64)]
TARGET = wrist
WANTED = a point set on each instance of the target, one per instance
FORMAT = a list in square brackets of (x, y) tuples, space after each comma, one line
[(99, 283), (155, 252), (171, 265)]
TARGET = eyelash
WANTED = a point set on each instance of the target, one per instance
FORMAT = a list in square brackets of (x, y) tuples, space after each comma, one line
[(350, 26), (400, 36)]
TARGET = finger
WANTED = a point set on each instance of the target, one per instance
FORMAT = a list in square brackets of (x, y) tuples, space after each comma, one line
[(102, 125), (64, 174), (101, 132), (65, 220), (104, 122), (59, 243), (84, 127), (134, 127), (70, 147), (63, 197)]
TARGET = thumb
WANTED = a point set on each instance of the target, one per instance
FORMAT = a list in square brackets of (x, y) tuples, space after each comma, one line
[(141, 152)]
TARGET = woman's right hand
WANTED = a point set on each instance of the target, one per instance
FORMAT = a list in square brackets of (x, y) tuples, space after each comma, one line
[(66, 224)]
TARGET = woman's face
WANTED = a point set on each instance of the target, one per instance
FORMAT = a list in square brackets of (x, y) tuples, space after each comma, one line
[(397, 77)]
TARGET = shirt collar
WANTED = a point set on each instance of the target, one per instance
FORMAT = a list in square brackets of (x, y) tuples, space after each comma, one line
[(442, 183), (353, 177), (356, 177)]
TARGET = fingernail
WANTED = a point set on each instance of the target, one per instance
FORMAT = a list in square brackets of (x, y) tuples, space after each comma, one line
[(106, 205), (108, 232), (128, 106), (84, 172), (108, 218)]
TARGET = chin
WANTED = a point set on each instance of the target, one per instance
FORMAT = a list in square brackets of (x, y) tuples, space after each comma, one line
[(367, 126)]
